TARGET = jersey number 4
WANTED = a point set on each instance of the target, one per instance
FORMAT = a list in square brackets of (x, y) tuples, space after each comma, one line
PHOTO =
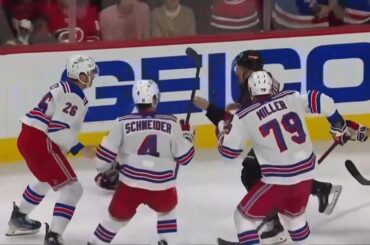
[(149, 146), (291, 123)]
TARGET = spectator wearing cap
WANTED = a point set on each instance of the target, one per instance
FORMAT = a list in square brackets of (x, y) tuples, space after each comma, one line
[(300, 14), (357, 12), (172, 20), (125, 20), (234, 16)]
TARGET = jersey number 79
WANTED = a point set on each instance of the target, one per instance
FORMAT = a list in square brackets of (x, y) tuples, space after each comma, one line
[(291, 123)]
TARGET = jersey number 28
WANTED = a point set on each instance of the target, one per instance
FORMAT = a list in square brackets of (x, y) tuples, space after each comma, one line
[(291, 123)]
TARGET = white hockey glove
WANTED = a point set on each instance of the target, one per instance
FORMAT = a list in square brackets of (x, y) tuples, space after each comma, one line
[(187, 131), (357, 130)]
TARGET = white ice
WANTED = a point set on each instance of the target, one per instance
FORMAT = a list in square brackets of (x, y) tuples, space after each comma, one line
[(209, 190)]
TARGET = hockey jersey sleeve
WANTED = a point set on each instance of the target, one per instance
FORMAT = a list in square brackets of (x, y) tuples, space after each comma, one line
[(67, 120), (231, 143), (182, 149), (316, 102), (108, 149)]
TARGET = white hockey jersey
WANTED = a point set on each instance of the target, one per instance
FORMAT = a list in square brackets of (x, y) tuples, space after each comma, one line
[(279, 135), (60, 115), (149, 148)]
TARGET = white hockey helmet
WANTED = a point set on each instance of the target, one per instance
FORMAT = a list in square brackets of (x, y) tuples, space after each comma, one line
[(259, 83), (145, 92), (78, 64)]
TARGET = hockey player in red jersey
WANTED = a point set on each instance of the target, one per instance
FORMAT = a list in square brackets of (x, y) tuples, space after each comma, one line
[(49, 132), (150, 148), (275, 124)]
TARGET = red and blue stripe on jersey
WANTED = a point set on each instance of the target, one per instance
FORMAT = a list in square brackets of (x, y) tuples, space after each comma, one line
[(55, 126), (314, 101), (228, 152), (37, 114), (186, 158), (147, 175), (105, 154), (291, 170), (72, 87)]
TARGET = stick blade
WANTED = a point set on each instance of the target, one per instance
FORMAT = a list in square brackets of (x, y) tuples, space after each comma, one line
[(221, 241), (192, 53), (350, 166)]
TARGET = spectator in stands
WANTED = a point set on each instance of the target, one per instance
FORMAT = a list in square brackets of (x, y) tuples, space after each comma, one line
[(302, 14), (202, 12), (87, 25), (172, 20), (41, 34), (6, 32), (357, 12), (24, 29), (230, 16), (125, 20)]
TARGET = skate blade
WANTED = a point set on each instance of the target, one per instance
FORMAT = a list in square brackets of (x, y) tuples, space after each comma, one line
[(14, 231), (278, 239), (336, 190)]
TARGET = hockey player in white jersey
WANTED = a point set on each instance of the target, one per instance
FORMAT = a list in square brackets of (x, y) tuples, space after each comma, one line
[(49, 132), (150, 148), (276, 126)]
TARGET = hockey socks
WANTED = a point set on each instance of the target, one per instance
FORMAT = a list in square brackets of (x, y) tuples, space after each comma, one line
[(106, 231), (32, 196), (65, 206)]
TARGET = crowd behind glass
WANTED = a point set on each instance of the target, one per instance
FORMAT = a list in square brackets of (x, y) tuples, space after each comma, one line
[(29, 22)]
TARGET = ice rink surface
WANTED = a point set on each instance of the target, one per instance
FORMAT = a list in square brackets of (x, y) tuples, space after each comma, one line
[(209, 190)]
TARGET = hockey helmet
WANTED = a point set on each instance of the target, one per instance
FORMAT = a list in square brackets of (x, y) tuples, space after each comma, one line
[(78, 64), (259, 83), (145, 92)]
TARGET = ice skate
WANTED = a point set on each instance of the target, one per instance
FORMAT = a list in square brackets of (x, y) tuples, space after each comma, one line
[(20, 224), (52, 238), (274, 232)]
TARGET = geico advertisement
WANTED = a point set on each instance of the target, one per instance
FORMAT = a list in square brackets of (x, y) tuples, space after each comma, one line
[(338, 65)]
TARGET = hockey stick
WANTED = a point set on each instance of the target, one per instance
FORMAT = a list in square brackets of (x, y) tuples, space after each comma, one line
[(355, 173), (327, 152), (198, 62)]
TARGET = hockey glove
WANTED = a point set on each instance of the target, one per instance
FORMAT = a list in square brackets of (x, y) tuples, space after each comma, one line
[(358, 130), (340, 133), (187, 131), (109, 179)]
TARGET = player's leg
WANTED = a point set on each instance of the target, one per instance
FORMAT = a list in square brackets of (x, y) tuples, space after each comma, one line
[(32, 145), (323, 190), (61, 178), (251, 172), (246, 228), (298, 229), (273, 231), (260, 202), (121, 209), (19, 223), (164, 203), (293, 211)]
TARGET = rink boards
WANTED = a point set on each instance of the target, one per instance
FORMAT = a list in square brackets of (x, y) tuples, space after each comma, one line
[(335, 62)]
